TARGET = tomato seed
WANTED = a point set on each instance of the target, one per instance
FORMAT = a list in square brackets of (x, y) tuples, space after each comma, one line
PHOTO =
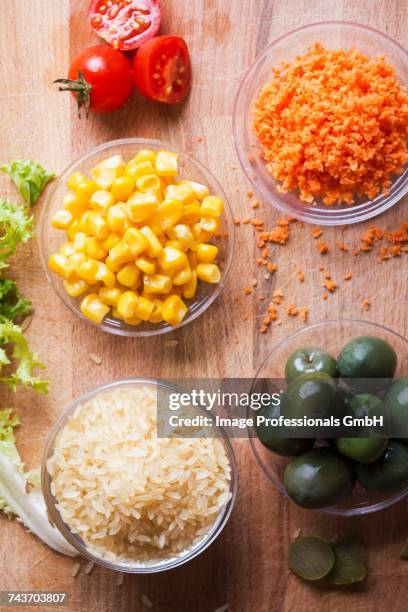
[(96, 21), (113, 11)]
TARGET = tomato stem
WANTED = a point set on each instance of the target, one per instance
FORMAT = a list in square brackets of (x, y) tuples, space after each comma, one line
[(82, 89)]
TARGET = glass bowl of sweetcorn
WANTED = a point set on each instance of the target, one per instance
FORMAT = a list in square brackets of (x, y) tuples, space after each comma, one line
[(137, 237)]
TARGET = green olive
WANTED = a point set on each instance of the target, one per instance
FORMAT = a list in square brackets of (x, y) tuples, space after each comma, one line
[(367, 357), (396, 401), (312, 395), (364, 450), (368, 447), (319, 478), (387, 474), (288, 447), (309, 360), (349, 562), (310, 558)]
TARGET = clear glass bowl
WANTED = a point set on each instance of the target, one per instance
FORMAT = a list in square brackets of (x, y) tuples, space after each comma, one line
[(51, 239), (331, 336), (332, 34), (77, 542)]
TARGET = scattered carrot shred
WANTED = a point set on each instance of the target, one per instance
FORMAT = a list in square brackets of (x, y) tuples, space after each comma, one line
[(366, 304), (291, 310), (323, 247), (347, 276)]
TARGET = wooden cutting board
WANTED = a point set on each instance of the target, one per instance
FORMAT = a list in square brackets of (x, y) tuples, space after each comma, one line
[(246, 567)]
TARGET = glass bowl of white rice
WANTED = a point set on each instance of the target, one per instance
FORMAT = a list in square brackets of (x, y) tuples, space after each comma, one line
[(126, 498)]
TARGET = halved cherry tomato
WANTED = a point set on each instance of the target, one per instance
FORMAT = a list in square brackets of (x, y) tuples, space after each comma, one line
[(162, 69), (100, 78), (125, 24)]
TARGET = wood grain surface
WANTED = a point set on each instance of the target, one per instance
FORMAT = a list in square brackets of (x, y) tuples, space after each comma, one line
[(246, 567)]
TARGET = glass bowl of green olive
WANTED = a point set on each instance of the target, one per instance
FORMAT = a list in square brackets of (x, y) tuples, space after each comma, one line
[(343, 369)]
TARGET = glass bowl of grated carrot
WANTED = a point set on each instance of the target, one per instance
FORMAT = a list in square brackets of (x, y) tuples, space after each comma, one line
[(331, 336), (56, 245), (332, 160)]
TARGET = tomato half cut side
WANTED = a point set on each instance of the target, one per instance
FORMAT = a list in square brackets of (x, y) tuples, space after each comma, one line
[(125, 24), (162, 69)]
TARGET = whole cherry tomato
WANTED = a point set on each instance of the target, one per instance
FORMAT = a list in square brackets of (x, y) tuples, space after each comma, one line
[(100, 78)]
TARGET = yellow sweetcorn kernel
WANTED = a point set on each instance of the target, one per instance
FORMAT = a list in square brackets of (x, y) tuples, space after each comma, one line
[(172, 260), (176, 244), (59, 264), (93, 308), (208, 272), (75, 261), (75, 287), (116, 218), (116, 314), (148, 182), (101, 200), (84, 191), (141, 205), (94, 249), (129, 275), (67, 249), (135, 240), (146, 265), (145, 155), (122, 188), (127, 304), (201, 191), (166, 163), (120, 254), (61, 219), (157, 283), (88, 270), (70, 203), (199, 233), (134, 169), (154, 245), (183, 276), (73, 229), (184, 235), (156, 314), (115, 267), (80, 242), (110, 295), (207, 253), (83, 222), (190, 288), (183, 192), (105, 275), (107, 171), (210, 224), (169, 213), (74, 180), (174, 310), (192, 260), (110, 241), (212, 206), (191, 214), (133, 320), (97, 226), (144, 308)]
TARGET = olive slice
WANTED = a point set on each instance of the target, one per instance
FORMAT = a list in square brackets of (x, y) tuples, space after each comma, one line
[(310, 558), (349, 565), (404, 552)]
